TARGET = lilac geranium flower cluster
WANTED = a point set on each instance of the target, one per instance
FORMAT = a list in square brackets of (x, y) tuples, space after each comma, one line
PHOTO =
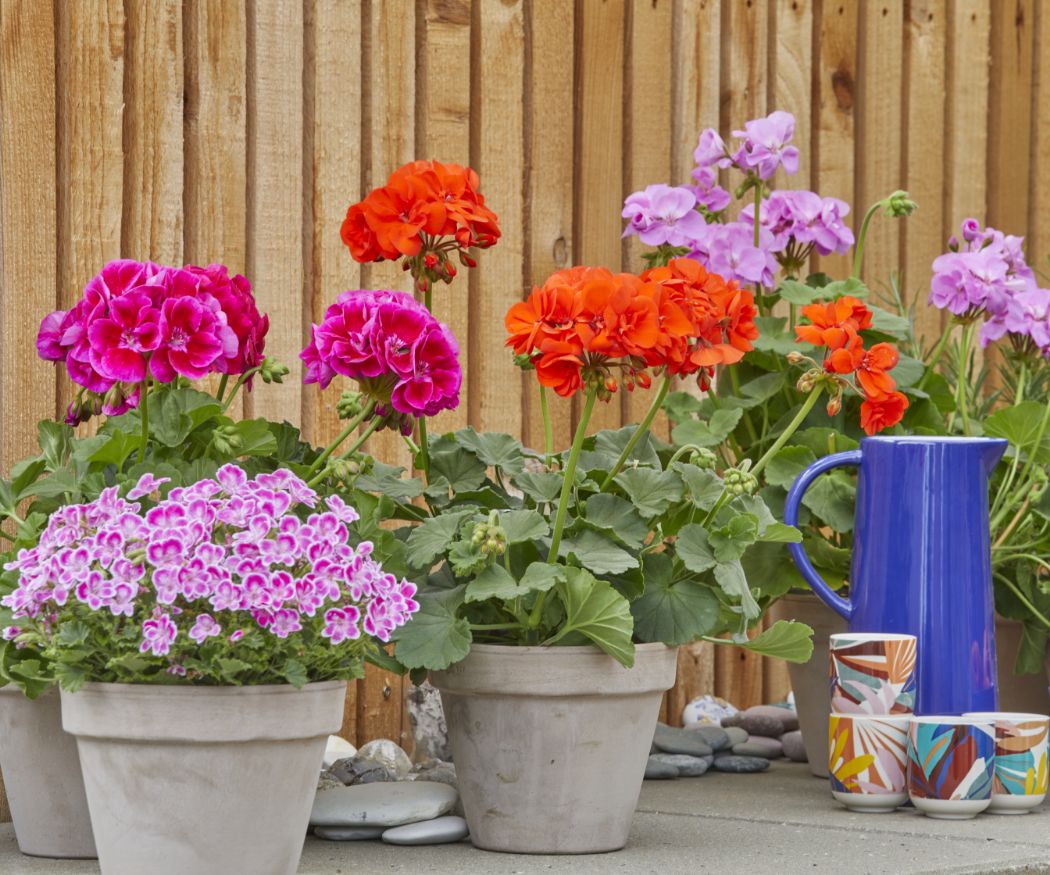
[(226, 568), (792, 224), (139, 320), (985, 276), (403, 358)]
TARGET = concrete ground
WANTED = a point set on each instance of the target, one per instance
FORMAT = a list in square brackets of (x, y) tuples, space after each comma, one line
[(775, 823)]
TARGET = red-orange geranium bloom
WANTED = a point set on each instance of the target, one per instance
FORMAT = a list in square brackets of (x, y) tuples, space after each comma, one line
[(834, 323), (882, 411), (871, 373)]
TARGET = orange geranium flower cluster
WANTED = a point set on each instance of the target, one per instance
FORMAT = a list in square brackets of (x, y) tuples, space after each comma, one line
[(425, 211), (584, 322), (836, 325)]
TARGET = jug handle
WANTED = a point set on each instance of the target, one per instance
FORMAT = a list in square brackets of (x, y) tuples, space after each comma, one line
[(791, 506)]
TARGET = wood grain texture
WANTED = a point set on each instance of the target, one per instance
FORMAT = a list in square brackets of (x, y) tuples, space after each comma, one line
[(791, 77), (695, 97), (27, 220), (152, 225), (443, 117), (834, 113), (1039, 208), (332, 179), (599, 148), (696, 677)]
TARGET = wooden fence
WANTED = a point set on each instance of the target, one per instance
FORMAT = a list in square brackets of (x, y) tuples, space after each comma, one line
[(240, 130)]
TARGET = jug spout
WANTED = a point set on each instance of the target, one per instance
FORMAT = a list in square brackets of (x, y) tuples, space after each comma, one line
[(992, 450)]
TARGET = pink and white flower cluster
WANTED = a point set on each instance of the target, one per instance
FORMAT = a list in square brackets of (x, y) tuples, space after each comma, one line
[(393, 346), (139, 319), (226, 556)]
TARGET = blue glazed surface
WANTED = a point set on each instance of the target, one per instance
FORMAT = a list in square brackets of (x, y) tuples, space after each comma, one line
[(921, 559)]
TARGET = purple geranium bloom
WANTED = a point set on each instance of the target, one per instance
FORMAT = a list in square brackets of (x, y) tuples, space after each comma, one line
[(147, 484), (709, 194), (765, 145), (729, 250), (205, 627), (662, 214), (158, 634), (341, 624), (710, 150)]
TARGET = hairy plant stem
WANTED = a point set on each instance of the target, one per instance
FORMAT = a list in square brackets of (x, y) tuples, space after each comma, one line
[(1013, 524), (548, 430), (424, 440), (348, 430), (963, 377), (793, 426), (354, 446), (241, 380), (935, 355), (222, 387), (858, 250), (1009, 584), (640, 431), (144, 407)]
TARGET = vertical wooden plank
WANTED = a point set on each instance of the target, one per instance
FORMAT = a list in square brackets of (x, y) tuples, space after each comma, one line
[(648, 141), (1010, 116), (922, 239), (349, 728), (443, 113), (878, 143), (380, 707), (696, 677), (153, 131), (331, 124), (275, 190), (599, 148), (1039, 217), (548, 231), (697, 28), (215, 33), (835, 26), (27, 220), (791, 77), (497, 140)]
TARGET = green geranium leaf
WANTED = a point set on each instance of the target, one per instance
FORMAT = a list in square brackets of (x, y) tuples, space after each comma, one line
[(540, 577), (466, 559), (1020, 424), (710, 433), (730, 541), (25, 472), (754, 505), (254, 438), (493, 448), (908, 372), (612, 442), (681, 406), (779, 533), (783, 469), (460, 467), (295, 673), (694, 549), (674, 613), (731, 577), (597, 553), (823, 441), (387, 480), (494, 582), (523, 525), (851, 286), (774, 336), (890, 323), (56, 440), (785, 639), (798, 293), (831, 498), (435, 637), (650, 491), (705, 487), (598, 612), (616, 515), (542, 487), (231, 669), (762, 388), (433, 537)]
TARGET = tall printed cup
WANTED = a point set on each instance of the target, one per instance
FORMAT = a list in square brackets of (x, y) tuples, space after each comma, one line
[(951, 765), (1021, 773), (868, 760), (872, 673)]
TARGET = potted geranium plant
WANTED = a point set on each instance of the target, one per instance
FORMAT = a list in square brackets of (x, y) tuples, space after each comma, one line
[(200, 605), (556, 585)]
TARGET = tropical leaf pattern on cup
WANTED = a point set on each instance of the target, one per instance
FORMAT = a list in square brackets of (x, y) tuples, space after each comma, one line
[(950, 761), (872, 676), (1021, 757), (867, 754)]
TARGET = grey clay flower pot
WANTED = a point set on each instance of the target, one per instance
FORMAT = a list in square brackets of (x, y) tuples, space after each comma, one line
[(550, 743), (42, 777), (201, 780)]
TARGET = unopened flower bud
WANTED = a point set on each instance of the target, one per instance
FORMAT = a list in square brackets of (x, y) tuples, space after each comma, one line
[(703, 458), (450, 270), (795, 357), (430, 260), (643, 379), (739, 482), (350, 404), (953, 243), (271, 371), (971, 230), (835, 404), (899, 204), (610, 384)]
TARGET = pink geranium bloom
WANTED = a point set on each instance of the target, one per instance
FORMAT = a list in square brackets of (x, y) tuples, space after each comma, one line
[(235, 299), (189, 340), (121, 342)]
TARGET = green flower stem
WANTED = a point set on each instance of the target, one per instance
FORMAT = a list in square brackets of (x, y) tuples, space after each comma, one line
[(1009, 584), (144, 407), (963, 376), (548, 430), (935, 355), (858, 250), (222, 387), (681, 451), (1021, 375), (1008, 480), (734, 381), (640, 431), (1025, 486), (354, 446), (481, 627), (350, 428), (241, 380), (758, 207), (1021, 511), (424, 439), (793, 426)]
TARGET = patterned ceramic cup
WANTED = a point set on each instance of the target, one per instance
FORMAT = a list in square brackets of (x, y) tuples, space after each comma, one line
[(868, 760), (872, 673), (1021, 773), (951, 764)]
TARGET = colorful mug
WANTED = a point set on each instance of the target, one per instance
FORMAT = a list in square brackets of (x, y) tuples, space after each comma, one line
[(872, 673), (951, 764), (868, 760), (1021, 773)]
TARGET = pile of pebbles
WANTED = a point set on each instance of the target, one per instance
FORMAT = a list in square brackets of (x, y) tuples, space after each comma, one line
[(739, 742), (378, 793)]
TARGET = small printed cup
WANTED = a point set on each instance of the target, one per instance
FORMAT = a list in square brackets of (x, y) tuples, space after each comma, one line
[(951, 765), (868, 761), (872, 673), (1021, 773)]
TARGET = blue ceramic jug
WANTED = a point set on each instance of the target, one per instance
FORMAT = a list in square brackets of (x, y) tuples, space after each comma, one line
[(921, 559)]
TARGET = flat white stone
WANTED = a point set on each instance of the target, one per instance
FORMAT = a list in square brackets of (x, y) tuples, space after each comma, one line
[(382, 804), (439, 831), (387, 753), (337, 749), (349, 833)]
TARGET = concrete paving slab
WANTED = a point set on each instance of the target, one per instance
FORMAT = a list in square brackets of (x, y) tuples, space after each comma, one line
[(778, 822)]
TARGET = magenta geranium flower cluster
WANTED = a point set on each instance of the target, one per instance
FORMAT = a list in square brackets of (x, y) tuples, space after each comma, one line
[(985, 276), (225, 560), (139, 320), (792, 224), (403, 358)]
